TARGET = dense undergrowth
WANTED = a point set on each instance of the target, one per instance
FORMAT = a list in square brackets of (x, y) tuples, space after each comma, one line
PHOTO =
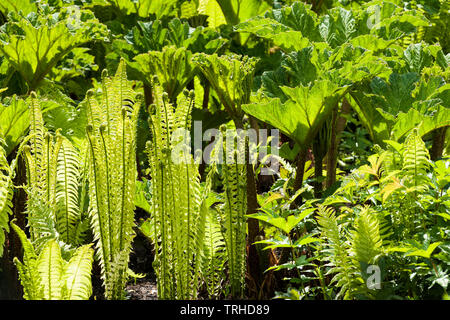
[(263, 149)]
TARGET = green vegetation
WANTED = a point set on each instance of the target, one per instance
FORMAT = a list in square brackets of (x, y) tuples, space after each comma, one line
[(255, 149)]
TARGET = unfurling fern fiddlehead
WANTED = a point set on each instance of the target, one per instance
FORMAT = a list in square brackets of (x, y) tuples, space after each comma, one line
[(177, 199), (52, 173), (112, 142), (234, 147)]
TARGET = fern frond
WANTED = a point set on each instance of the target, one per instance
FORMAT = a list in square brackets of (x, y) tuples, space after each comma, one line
[(77, 275), (50, 266), (176, 197), (67, 211), (6, 194), (336, 252), (37, 131), (28, 274), (235, 207), (41, 219), (214, 255), (112, 176), (48, 276), (366, 239), (416, 159)]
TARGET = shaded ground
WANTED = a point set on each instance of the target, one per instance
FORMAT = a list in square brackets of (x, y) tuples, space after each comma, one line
[(144, 289)]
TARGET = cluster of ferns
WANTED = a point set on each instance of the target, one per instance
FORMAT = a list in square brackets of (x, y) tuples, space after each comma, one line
[(76, 195)]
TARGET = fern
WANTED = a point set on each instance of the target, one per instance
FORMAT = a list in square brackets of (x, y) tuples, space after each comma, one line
[(214, 255), (351, 253), (336, 252), (41, 159), (67, 210), (232, 217), (53, 182), (76, 277), (112, 142), (366, 239), (28, 274), (178, 216), (416, 159), (47, 276), (6, 194), (41, 219)]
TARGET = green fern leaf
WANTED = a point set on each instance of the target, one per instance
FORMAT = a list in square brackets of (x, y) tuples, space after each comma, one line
[(366, 238), (6, 194), (77, 275), (50, 266)]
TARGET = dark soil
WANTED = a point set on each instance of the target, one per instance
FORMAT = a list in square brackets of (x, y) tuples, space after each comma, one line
[(144, 289), (141, 259)]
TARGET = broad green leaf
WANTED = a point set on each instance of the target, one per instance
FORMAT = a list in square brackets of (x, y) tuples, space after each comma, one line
[(212, 9), (417, 58), (273, 197), (285, 224), (338, 27), (405, 122), (424, 253), (33, 46), (301, 116), (291, 28), (143, 8), (301, 66), (370, 42), (140, 200), (172, 66), (298, 17), (25, 6)]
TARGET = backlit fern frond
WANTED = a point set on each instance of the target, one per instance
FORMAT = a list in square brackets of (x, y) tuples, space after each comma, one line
[(214, 255), (176, 197), (41, 157), (366, 239), (48, 276), (67, 211), (28, 274), (232, 218), (416, 159), (50, 267), (6, 194), (41, 219), (77, 283), (112, 175), (336, 252)]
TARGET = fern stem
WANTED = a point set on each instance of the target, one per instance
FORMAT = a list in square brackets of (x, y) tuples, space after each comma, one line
[(108, 195), (124, 186), (66, 200), (97, 199)]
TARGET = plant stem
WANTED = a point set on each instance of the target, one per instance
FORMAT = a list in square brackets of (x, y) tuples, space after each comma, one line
[(337, 126), (438, 143)]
